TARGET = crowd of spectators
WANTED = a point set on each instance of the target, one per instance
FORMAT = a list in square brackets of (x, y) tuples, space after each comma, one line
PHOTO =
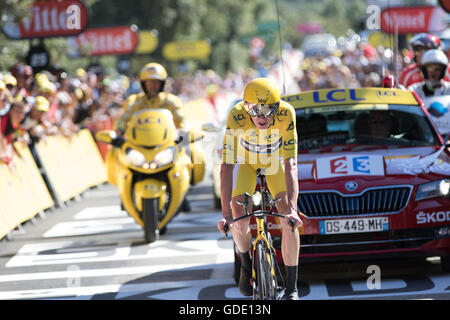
[(358, 65), (33, 106)]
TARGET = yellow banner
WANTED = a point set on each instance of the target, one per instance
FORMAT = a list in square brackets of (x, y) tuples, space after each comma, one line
[(351, 96), (181, 50), (148, 41), (72, 165)]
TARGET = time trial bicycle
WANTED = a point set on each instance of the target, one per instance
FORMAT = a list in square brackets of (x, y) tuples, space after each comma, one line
[(267, 279)]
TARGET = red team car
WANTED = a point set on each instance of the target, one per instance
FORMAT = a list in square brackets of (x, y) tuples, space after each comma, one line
[(374, 176)]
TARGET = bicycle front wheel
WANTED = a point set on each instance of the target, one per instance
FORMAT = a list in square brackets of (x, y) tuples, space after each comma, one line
[(265, 287)]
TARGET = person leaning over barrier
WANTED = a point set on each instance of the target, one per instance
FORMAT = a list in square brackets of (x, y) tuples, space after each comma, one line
[(5, 98), (9, 130), (34, 121), (261, 133)]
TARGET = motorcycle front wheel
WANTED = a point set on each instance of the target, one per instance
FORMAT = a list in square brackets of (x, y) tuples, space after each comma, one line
[(150, 219)]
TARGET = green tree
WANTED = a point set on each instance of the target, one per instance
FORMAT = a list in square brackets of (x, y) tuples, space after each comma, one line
[(223, 23)]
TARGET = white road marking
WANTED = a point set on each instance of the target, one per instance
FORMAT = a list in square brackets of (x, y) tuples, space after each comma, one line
[(103, 272)]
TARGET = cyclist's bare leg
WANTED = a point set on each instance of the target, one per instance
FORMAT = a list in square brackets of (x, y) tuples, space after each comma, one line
[(241, 231), (290, 246), (243, 239), (290, 243)]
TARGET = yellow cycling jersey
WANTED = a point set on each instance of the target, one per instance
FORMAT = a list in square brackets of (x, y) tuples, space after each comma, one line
[(244, 143), (140, 101)]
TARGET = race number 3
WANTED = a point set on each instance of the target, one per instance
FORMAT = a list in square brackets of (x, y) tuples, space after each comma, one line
[(361, 164)]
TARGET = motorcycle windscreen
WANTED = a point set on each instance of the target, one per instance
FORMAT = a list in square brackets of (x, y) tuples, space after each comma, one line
[(151, 128)]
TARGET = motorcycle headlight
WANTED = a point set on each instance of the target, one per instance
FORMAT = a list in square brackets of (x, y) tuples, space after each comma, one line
[(164, 157), (438, 188), (135, 158)]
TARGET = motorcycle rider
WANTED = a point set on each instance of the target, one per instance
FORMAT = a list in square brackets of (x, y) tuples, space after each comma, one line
[(153, 77), (435, 90), (420, 43), (261, 126), (434, 65)]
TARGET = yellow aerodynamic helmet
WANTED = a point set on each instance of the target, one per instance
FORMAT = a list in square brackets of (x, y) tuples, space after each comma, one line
[(261, 97), (153, 70)]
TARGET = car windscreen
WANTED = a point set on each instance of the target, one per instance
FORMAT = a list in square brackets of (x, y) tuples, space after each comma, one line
[(388, 125)]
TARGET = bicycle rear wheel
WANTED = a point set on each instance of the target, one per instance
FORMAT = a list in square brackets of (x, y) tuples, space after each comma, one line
[(266, 283)]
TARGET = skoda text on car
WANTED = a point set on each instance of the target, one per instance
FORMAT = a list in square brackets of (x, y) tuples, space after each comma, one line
[(373, 176)]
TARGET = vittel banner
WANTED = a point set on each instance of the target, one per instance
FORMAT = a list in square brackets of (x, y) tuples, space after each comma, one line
[(49, 19), (413, 19), (116, 40)]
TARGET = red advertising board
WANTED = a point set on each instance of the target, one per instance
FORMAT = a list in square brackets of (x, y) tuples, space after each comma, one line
[(107, 41), (413, 19), (50, 19)]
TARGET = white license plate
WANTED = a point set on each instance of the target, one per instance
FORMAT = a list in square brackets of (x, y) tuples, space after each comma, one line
[(354, 225)]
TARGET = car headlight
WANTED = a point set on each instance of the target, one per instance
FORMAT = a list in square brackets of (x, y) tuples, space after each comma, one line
[(135, 158), (438, 188), (164, 157)]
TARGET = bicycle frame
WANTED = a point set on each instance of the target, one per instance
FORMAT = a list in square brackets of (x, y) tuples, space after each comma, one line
[(266, 202)]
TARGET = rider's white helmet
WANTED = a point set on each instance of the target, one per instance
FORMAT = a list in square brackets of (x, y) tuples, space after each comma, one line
[(434, 56)]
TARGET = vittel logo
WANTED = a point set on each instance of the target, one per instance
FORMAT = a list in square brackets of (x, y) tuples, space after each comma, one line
[(432, 217)]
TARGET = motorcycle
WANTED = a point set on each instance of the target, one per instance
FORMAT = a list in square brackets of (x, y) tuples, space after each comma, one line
[(152, 169)]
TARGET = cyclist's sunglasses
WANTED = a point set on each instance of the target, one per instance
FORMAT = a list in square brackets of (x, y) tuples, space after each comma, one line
[(262, 110)]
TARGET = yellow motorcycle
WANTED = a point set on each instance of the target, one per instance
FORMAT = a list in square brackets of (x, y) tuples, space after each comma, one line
[(153, 166)]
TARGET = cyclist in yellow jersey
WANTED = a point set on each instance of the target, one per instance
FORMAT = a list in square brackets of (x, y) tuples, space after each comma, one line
[(261, 133)]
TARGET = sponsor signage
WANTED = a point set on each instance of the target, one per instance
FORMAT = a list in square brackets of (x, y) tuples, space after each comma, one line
[(148, 41), (368, 165), (413, 19), (49, 19), (181, 50), (106, 41)]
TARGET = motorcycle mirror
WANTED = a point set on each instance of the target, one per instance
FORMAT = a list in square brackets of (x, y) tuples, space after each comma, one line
[(106, 136), (179, 139), (110, 137), (210, 127)]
